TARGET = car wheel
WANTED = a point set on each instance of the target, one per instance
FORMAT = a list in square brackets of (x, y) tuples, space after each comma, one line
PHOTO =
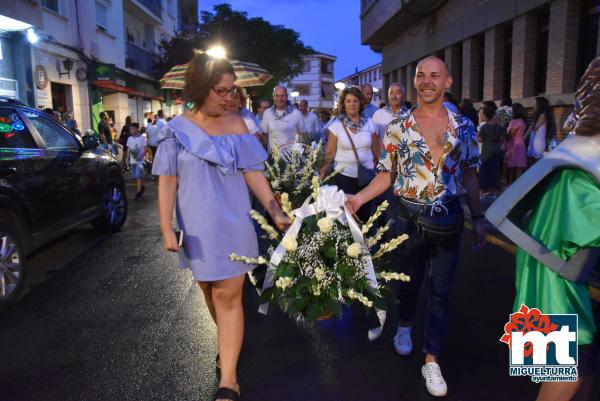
[(114, 208), (12, 263)]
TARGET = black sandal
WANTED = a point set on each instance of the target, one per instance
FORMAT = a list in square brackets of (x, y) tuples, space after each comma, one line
[(224, 393)]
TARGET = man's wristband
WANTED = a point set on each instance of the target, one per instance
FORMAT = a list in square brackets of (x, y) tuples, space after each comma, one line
[(477, 217)]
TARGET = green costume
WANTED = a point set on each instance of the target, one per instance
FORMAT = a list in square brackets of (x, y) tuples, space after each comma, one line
[(566, 219)]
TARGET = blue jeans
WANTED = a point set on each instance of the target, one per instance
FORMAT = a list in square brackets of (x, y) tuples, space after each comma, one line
[(418, 259)]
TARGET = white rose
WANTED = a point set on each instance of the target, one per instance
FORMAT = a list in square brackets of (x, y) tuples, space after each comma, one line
[(325, 224), (354, 250), (290, 244), (316, 291)]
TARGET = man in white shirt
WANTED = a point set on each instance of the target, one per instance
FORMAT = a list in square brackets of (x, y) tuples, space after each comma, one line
[(282, 123), (370, 108), (311, 121), (393, 110)]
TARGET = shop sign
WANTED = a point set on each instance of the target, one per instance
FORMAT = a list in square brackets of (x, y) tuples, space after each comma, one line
[(104, 72), (41, 77)]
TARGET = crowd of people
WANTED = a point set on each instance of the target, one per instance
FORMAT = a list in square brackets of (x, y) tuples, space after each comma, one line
[(421, 159)]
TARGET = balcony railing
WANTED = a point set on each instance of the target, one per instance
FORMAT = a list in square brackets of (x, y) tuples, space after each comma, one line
[(152, 5), (139, 59)]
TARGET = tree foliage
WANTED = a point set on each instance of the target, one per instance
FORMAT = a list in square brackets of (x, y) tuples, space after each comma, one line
[(274, 47)]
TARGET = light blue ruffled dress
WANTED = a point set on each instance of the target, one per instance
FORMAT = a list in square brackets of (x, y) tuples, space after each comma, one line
[(213, 201)]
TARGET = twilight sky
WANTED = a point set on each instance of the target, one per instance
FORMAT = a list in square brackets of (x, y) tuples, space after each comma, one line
[(328, 26)]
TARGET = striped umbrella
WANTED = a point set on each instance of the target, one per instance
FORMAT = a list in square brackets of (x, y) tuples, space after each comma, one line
[(248, 74)]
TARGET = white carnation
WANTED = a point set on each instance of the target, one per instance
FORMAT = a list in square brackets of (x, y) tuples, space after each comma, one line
[(319, 273), (354, 250), (325, 225), (284, 282), (290, 244)]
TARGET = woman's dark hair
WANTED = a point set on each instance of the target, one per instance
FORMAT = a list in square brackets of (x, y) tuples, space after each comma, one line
[(543, 107), (518, 111), (128, 120), (489, 109), (466, 104), (353, 90), (203, 72)]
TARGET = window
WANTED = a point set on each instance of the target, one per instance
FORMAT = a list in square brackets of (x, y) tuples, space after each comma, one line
[(480, 72), (507, 61), (13, 133), (102, 15), (51, 5), (303, 90), (171, 7), (326, 67), (54, 136), (588, 32), (541, 59), (327, 90), (306, 66)]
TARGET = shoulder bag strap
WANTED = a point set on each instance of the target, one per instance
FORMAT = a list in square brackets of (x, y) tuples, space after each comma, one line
[(351, 143)]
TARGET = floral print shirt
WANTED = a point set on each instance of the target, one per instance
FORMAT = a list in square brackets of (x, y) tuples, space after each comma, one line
[(419, 178)]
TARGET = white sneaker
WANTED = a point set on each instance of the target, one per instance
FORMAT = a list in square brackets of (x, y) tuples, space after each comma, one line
[(402, 341), (436, 385)]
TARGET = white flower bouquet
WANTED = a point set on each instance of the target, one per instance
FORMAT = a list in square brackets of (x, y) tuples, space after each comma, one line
[(323, 262), (291, 170)]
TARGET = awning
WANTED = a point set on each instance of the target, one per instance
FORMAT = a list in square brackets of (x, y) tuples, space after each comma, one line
[(110, 78)]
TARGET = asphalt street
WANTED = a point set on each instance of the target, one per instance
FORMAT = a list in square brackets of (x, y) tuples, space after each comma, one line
[(113, 318)]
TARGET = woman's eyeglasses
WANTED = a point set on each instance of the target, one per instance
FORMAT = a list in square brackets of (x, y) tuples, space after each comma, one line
[(224, 91)]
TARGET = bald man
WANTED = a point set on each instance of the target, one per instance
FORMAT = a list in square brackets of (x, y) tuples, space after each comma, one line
[(281, 122), (429, 154)]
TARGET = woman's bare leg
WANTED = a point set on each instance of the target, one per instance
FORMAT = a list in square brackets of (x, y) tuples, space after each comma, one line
[(227, 299), (206, 288)]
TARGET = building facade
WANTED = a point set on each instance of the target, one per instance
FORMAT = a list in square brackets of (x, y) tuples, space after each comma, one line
[(370, 75), (315, 83), (95, 55), (494, 48)]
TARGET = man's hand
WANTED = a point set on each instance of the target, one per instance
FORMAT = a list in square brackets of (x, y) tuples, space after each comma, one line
[(480, 234), (353, 203)]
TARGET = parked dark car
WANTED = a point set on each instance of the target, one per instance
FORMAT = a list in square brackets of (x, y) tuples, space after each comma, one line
[(51, 181)]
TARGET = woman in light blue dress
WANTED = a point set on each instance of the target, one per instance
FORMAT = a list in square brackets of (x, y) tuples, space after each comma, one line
[(207, 161)]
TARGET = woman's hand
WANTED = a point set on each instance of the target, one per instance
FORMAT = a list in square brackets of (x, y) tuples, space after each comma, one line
[(281, 221), (170, 241)]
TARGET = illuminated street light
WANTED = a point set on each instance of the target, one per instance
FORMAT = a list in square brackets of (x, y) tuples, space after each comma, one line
[(216, 52), (375, 90), (32, 36), (295, 94), (340, 86)]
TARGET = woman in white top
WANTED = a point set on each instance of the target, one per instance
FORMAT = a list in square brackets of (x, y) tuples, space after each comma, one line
[(349, 123), (237, 105), (542, 128)]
